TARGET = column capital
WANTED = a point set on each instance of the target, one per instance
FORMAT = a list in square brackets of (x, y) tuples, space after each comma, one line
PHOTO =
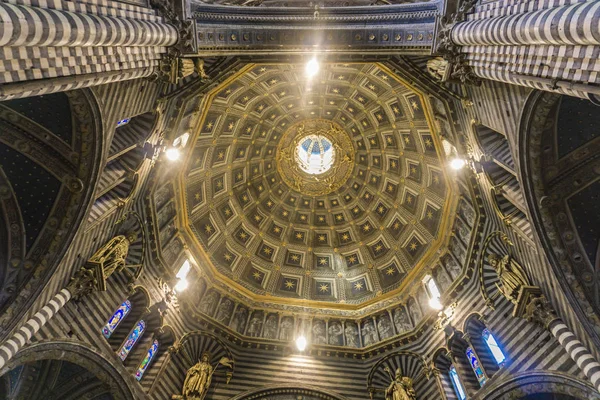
[(540, 311), (85, 281)]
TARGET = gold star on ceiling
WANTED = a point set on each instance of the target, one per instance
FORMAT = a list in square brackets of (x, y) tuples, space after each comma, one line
[(414, 105), (295, 257), (276, 229), (243, 235), (227, 256), (267, 251), (352, 259), (322, 238), (257, 275), (407, 139), (413, 246), (345, 237), (378, 248), (324, 287), (323, 261), (289, 284), (208, 229), (198, 196), (221, 155), (390, 271), (429, 214), (358, 285), (299, 235), (428, 143)]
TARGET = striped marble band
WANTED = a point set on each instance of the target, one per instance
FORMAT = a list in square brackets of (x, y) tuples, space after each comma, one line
[(22, 336), (31, 26), (575, 24)]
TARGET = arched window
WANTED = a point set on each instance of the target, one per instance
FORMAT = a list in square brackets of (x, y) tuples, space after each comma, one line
[(134, 336), (147, 360), (458, 387), (492, 344), (474, 361), (433, 292), (118, 316)]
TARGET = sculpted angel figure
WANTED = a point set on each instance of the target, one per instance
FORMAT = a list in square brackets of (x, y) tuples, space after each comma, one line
[(401, 388), (511, 274)]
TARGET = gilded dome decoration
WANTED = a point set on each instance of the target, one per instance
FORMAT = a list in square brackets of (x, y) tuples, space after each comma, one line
[(329, 189), (315, 157)]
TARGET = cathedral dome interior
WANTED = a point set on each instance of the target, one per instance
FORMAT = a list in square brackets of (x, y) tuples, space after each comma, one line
[(299, 200)]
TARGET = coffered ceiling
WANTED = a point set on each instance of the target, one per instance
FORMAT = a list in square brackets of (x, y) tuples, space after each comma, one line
[(271, 231)]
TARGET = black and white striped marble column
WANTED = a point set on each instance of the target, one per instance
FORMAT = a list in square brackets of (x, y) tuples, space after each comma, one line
[(32, 26), (30, 328), (575, 24), (553, 48), (46, 41), (578, 352)]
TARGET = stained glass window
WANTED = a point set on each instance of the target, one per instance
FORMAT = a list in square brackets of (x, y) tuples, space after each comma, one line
[(123, 122), (458, 387), (476, 366), (116, 319), (490, 340), (132, 339), (147, 360)]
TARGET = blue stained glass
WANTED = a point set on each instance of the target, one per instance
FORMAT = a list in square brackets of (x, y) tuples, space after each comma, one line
[(116, 319), (476, 366), (458, 387), (123, 122), (490, 340), (132, 339), (147, 360)]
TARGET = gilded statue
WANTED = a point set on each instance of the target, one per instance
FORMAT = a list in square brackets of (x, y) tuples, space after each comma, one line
[(197, 380), (511, 274), (112, 255), (199, 376), (401, 388)]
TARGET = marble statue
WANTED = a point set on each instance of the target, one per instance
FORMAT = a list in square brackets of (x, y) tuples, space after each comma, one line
[(270, 331), (442, 279), (209, 302), (511, 275), (335, 333), (437, 68), (384, 327), (239, 320), (368, 333), (255, 326), (287, 329), (401, 388), (415, 311), (453, 267), (319, 336), (351, 332), (402, 321), (224, 312)]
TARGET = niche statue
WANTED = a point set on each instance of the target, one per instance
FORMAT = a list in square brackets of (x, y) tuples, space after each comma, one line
[(401, 388), (199, 376), (511, 275)]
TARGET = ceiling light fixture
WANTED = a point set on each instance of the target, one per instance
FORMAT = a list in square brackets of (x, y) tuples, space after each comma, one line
[(312, 67), (301, 343), (172, 154), (457, 163)]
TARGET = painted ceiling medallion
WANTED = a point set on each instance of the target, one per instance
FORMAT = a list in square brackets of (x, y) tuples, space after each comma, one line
[(315, 157)]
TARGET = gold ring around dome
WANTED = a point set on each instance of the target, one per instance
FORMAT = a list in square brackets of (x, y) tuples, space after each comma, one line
[(330, 180)]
